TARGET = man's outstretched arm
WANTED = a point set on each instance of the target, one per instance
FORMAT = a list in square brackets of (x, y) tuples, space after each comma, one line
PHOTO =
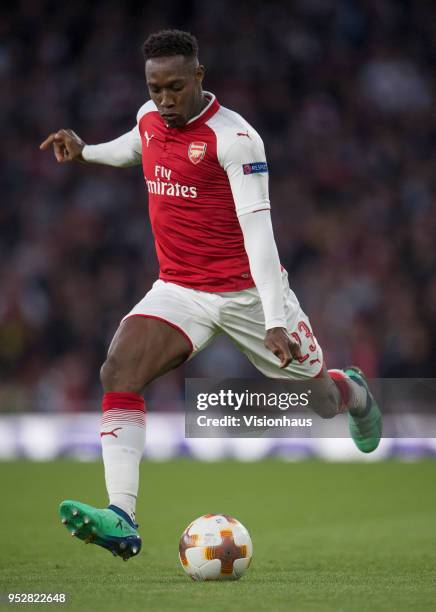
[(122, 152)]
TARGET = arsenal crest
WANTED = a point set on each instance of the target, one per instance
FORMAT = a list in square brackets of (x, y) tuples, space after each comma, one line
[(196, 151)]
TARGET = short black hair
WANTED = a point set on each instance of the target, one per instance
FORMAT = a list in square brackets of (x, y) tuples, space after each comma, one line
[(170, 42)]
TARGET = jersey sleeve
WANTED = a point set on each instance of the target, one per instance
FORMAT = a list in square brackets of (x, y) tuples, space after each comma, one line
[(122, 152), (264, 265), (245, 164)]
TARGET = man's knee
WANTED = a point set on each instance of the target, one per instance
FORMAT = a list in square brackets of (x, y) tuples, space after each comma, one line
[(116, 378)]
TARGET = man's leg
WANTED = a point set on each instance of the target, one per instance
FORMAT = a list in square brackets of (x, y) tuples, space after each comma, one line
[(142, 349), (167, 326), (355, 397), (337, 390)]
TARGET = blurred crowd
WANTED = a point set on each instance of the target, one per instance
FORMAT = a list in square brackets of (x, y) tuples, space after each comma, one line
[(343, 94)]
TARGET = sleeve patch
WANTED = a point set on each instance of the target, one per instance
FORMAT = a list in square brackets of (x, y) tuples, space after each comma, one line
[(255, 167)]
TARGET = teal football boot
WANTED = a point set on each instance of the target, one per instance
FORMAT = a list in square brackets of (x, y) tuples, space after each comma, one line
[(366, 428), (109, 527)]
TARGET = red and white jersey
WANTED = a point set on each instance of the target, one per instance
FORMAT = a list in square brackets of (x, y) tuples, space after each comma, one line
[(200, 178)]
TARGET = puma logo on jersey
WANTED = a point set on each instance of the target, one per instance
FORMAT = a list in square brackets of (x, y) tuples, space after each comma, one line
[(110, 433), (147, 137)]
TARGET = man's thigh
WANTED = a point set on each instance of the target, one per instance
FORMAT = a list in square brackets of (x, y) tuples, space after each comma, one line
[(142, 349), (243, 320), (165, 328), (192, 313)]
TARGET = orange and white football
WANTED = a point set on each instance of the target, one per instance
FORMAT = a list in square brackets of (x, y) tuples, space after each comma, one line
[(215, 547)]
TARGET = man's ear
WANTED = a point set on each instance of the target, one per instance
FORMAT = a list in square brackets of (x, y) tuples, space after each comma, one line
[(200, 71)]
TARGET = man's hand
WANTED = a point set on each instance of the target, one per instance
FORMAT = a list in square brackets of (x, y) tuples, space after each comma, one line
[(67, 146), (282, 345)]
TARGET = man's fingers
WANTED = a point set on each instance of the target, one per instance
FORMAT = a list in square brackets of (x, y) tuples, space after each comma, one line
[(67, 145), (59, 140), (287, 352), (295, 350), (59, 151), (47, 142), (284, 354), (61, 136), (285, 361), (56, 137), (284, 346)]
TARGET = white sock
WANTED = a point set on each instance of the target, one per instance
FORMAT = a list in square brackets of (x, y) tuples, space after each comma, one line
[(122, 440), (355, 393)]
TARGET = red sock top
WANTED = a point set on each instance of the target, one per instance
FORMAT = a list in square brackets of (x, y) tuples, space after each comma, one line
[(126, 401), (341, 381)]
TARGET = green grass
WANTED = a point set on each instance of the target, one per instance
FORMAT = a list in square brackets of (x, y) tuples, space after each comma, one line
[(327, 537)]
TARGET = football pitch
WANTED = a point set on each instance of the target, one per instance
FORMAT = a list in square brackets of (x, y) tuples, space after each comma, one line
[(326, 537)]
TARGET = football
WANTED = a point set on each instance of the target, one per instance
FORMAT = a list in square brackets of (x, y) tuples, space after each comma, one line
[(215, 547)]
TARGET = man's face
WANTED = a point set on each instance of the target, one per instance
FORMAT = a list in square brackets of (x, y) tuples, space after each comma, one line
[(174, 84)]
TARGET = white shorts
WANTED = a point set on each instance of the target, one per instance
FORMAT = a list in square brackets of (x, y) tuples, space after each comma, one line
[(201, 316)]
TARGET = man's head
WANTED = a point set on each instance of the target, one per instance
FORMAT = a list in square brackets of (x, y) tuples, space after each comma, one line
[(174, 75)]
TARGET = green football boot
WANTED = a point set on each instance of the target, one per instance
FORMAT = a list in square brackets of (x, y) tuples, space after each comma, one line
[(365, 429), (109, 527)]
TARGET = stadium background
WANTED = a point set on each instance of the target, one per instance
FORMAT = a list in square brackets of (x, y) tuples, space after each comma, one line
[(342, 93)]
